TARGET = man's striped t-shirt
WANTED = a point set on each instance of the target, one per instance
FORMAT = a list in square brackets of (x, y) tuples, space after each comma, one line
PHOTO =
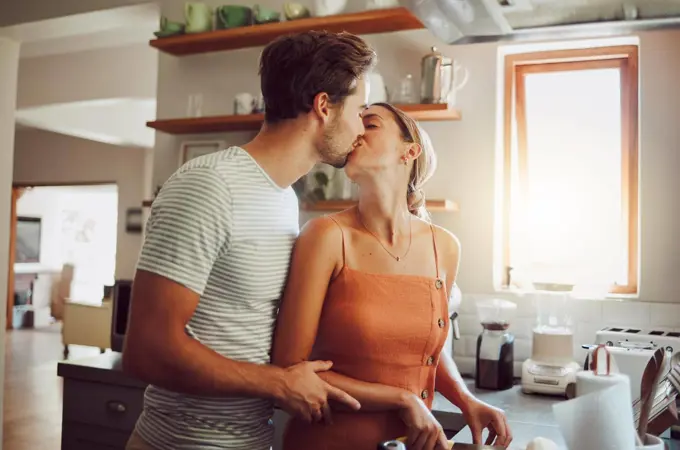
[(221, 227)]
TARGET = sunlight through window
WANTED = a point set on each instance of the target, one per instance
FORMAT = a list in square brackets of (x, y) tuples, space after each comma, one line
[(573, 208)]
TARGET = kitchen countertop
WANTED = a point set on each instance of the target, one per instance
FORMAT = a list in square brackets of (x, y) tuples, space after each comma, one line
[(529, 416)]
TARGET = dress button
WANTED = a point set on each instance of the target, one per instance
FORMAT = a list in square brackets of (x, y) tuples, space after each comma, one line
[(430, 361), (441, 323), (424, 394), (438, 283)]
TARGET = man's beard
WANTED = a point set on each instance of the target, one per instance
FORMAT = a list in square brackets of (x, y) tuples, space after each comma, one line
[(330, 152)]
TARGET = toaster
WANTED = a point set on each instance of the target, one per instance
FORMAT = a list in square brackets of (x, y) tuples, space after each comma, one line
[(632, 348)]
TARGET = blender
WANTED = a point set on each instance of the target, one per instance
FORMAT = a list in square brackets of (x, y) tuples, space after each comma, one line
[(495, 345), (551, 369)]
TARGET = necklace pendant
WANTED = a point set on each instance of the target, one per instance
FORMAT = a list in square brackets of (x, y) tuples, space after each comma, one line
[(398, 258)]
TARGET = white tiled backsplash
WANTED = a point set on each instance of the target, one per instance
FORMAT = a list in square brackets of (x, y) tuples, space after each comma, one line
[(589, 316)]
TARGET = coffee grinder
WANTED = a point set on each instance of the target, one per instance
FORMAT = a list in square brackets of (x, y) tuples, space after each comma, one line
[(495, 345)]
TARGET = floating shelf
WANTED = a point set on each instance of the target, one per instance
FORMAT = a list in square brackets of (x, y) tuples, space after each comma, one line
[(253, 122), (366, 22), (339, 205)]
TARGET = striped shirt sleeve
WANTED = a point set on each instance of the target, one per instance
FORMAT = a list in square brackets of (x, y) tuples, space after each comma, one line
[(189, 227)]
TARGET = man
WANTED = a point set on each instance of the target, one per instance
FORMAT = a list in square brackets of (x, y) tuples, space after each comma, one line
[(216, 254)]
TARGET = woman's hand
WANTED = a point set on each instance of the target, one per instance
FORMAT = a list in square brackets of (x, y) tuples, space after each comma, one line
[(424, 432), (479, 416)]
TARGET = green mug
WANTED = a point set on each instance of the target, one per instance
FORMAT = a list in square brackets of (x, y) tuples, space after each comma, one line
[(198, 17), (264, 15), (233, 16)]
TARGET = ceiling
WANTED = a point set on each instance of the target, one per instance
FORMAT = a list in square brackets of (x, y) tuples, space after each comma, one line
[(119, 121), (89, 31)]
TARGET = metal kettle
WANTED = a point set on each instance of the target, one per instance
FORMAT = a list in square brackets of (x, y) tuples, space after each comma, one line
[(436, 77)]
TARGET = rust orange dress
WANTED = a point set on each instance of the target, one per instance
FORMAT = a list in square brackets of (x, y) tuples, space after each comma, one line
[(380, 328)]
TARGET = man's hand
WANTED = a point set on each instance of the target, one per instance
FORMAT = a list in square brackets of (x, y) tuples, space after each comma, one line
[(305, 395), (423, 430), (479, 416)]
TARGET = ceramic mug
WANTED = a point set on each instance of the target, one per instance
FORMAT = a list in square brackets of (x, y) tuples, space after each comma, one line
[(233, 16), (258, 104), (198, 17), (265, 15), (329, 7), (652, 443), (243, 103)]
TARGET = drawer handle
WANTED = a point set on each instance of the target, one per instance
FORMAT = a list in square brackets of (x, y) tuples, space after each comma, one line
[(117, 407)]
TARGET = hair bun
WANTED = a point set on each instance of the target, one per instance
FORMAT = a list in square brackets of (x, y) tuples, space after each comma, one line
[(416, 200)]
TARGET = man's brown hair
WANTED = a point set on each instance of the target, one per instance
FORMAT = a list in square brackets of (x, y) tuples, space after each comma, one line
[(295, 68)]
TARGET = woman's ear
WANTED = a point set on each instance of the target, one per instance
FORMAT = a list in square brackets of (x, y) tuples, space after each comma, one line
[(414, 151)]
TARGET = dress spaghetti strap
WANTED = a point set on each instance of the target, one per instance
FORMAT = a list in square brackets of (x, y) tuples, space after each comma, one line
[(434, 245), (342, 233)]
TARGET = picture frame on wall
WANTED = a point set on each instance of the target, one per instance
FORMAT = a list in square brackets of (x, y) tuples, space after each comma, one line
[(191, 149)]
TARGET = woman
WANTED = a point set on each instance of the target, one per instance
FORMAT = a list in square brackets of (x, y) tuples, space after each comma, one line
[(367, 290)]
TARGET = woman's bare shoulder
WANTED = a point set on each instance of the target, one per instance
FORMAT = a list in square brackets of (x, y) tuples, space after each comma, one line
[(447, 240), (319, 228)]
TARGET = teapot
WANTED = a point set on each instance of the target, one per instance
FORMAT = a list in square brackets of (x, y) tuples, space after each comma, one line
[(198, 17), (438, 74)]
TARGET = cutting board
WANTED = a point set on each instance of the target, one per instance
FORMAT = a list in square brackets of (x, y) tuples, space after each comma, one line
[(463, 446)]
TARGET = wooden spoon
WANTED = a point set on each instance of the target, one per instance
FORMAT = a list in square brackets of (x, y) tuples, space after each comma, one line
[(650, 382)]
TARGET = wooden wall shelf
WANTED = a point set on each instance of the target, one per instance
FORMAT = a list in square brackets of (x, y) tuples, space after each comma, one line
[(339, 205), (366, 22), (252, 122)]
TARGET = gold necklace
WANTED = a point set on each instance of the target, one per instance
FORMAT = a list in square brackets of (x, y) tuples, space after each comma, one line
[(410, 237)]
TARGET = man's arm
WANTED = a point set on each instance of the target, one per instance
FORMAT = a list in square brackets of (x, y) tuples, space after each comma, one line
[(158, 350), (189, 228)]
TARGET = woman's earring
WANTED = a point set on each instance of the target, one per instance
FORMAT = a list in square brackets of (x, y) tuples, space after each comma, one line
[(405, 159)]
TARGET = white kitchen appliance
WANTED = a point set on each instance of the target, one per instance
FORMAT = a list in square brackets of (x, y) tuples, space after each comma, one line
[(631, 349), (551, 369)]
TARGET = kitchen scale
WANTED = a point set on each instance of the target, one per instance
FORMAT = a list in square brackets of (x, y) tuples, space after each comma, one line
[(551, 369)]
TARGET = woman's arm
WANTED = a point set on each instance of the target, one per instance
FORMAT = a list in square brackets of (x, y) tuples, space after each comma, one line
[(448, 381), (317, 256)]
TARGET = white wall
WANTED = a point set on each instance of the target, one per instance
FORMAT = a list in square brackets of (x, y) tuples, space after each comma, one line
[(9, 64), (43, 157)]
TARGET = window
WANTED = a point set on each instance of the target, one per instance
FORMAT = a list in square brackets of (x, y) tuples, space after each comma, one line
[(570, 193)]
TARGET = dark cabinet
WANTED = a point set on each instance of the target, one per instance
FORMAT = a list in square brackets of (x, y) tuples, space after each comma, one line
[(101, 404)]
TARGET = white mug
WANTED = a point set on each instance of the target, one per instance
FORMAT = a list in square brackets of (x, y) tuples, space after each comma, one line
[(651, 443), (243, 103)]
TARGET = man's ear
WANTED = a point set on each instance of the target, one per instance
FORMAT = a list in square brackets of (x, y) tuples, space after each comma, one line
[(322, 106)]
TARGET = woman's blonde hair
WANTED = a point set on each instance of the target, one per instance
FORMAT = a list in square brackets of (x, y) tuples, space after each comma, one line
[(423, 167)]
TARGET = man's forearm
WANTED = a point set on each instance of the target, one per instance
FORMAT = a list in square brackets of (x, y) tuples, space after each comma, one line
[(187, 366), (372, 396), (450, 383)]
